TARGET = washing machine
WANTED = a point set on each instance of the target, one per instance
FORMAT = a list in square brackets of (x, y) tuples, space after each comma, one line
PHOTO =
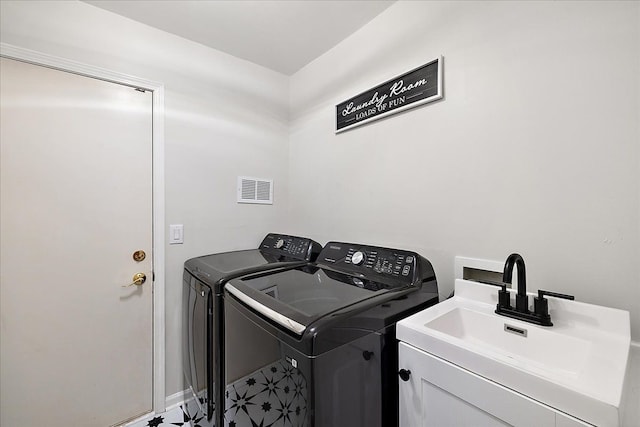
[(314, 345), (203, 306)]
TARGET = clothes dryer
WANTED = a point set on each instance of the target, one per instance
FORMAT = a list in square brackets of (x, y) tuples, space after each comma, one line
[(203, 305)]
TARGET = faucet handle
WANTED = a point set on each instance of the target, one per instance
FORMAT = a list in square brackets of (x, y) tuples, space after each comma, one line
[(542, 294), (502, 285), (504, 298), (541, 305)]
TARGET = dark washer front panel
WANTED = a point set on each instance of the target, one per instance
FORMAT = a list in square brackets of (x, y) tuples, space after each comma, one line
[(203, 281), (271, 383), (315, 346)]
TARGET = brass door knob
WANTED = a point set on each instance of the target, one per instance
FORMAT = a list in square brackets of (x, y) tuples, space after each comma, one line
[(138, 279)]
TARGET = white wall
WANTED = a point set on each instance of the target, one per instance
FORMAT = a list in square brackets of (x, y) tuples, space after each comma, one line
[(534, 149), (224, 117)]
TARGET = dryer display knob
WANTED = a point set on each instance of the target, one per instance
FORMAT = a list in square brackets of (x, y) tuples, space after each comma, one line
[(279, 244), (357, 258)]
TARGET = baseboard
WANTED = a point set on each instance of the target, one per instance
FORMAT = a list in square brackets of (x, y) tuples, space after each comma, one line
[(177, 399)]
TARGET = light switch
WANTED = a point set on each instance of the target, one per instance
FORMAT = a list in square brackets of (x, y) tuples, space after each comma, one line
[(176, 234)]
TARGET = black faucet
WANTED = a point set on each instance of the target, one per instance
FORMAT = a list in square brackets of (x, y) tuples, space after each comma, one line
[(540, 315), (522, 301)]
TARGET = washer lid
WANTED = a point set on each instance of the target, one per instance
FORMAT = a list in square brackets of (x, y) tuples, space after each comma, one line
[(296, 298), (275, 250), (227, 262)]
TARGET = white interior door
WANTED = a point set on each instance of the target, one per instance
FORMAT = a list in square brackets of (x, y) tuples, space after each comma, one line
[(76, 203)]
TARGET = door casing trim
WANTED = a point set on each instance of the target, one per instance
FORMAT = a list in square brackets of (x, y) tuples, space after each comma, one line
[(62, 64)]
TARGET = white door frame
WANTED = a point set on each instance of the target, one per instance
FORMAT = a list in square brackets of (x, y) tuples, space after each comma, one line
[(50, 61)]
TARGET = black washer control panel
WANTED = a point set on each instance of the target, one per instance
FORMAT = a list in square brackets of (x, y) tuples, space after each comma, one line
[(376, 263), (295, 247)]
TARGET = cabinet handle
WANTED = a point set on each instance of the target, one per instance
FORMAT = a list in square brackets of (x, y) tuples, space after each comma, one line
[(404, 374)]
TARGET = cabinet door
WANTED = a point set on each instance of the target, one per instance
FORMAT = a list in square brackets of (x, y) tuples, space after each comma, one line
[(410, 405), (443, 409), (441, 394)]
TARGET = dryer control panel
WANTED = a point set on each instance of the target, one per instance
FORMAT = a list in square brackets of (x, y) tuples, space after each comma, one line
[(387, 265), (295, 247)]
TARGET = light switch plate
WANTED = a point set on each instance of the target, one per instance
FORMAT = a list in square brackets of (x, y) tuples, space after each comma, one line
[(176, 234)]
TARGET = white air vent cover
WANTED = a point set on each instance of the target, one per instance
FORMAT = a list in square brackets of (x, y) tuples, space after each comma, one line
[(255, 190)]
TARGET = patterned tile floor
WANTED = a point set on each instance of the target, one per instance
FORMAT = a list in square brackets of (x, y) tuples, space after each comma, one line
[(179, 416), (274, 396)]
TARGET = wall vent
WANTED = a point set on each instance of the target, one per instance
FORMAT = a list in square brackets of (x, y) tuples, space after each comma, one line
[(255, 190)]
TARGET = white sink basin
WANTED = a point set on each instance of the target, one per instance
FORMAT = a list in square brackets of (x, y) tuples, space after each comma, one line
[(576, 366), (542, 351)]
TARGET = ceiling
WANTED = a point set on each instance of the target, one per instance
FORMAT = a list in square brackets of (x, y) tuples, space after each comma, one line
[(283, 35)]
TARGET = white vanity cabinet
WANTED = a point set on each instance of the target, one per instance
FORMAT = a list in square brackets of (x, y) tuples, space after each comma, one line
[(441, 394)]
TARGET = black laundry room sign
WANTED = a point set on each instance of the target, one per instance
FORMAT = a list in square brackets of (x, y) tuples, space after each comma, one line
[(417, 87)]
